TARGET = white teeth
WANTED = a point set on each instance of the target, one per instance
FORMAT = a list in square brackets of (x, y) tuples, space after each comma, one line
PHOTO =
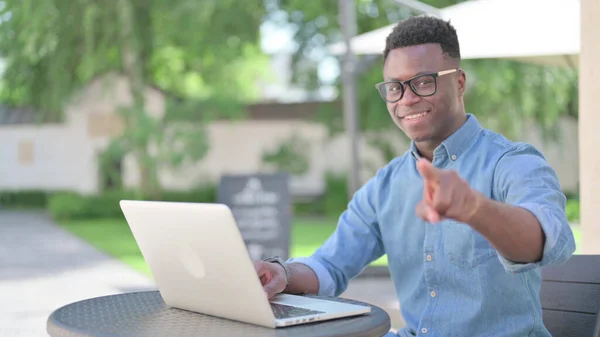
[(415, 116)]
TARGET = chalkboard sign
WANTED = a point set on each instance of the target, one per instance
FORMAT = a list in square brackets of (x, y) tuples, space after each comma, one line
[(261, 206)]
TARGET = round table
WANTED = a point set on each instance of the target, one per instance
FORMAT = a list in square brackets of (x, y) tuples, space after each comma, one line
[(146, 314)]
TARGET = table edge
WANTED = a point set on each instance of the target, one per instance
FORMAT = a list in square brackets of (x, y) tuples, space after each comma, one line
[(56, 328)]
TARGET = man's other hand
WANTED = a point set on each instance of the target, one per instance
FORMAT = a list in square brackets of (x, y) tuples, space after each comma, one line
[(272, 276)]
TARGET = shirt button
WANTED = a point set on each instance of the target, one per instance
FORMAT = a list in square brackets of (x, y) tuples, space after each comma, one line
[(424, 330), (433, 294), (453, 157), (429, 258)]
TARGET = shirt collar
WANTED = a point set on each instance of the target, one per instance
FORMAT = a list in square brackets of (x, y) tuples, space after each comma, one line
[(455, 145)]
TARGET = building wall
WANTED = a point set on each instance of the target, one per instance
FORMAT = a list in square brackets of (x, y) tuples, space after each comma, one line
[(65, 156), (237, 147), (563, 155), (53, 157)]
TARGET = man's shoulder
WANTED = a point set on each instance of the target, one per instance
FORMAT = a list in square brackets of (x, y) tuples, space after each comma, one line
[(495, 143), (510, 159), (398, 163)]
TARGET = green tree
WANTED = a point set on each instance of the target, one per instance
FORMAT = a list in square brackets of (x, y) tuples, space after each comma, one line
[(503, 94), (204, 53)]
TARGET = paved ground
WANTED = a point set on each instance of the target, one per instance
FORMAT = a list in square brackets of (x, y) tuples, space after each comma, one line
[(43, 267)]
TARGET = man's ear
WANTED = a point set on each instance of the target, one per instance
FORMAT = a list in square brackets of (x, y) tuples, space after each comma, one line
[(462, 83)]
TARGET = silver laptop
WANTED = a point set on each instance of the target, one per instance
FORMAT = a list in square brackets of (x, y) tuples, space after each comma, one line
[(200, 263)]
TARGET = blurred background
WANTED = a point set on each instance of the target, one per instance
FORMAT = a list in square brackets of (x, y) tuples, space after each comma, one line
[(157, 99)]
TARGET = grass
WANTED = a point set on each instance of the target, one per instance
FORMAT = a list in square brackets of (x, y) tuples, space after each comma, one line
[(114, 237)]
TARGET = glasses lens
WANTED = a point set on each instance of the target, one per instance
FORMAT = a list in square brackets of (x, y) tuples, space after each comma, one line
[(391, 91), (424, 85)]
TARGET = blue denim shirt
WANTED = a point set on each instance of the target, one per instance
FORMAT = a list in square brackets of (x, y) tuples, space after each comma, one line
[(450, 281)]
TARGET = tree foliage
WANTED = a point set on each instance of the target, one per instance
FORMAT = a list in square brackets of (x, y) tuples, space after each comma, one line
[(201, 54), (185, 47)]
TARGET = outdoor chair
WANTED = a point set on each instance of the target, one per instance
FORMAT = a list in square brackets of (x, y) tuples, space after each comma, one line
[(571, 297)]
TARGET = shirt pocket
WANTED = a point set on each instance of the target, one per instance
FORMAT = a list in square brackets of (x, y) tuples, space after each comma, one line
[(465, 247)]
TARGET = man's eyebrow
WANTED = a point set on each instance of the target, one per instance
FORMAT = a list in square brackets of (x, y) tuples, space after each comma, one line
[(417, 74)]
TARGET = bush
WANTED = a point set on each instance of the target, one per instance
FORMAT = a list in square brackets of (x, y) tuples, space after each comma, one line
[(24, 199), (203, 194), (308, 208), (572, 210), (71, 206), (68, 205), (333, 201)]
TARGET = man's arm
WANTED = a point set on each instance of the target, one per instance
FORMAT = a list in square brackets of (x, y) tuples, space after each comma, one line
[(303, 280), (528, 223), (513, 231), (354, 244)]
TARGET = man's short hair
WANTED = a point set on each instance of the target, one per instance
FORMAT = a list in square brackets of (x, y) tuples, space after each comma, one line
[(421, 30)]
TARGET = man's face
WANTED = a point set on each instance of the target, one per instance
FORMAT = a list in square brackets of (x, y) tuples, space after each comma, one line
[(431, 118)]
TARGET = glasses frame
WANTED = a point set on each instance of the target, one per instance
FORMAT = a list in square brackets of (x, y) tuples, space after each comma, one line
[(409, 82)]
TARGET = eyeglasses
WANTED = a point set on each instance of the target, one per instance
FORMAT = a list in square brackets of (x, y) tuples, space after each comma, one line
[(422, 85)]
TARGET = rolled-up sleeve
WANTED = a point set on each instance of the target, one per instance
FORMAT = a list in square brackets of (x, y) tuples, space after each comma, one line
[(524, 178), (327, 285), (355, 243)]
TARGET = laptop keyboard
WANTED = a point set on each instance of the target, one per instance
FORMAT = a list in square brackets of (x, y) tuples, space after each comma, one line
[(287, 311)]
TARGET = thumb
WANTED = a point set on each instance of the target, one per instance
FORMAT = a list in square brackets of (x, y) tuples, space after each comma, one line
[(427, 213), (427, 170)]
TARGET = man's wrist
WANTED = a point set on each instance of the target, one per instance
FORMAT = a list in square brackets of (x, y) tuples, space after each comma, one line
[(278, 260), (478, 207), (485, 207)]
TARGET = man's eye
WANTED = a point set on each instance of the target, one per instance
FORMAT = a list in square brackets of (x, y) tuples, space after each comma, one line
[(394, 87), (424, 82)]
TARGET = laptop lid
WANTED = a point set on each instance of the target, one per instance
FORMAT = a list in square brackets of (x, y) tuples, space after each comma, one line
[(198, 259)]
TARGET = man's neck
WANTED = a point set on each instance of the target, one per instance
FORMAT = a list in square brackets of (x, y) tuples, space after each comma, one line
[(427, 148)]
